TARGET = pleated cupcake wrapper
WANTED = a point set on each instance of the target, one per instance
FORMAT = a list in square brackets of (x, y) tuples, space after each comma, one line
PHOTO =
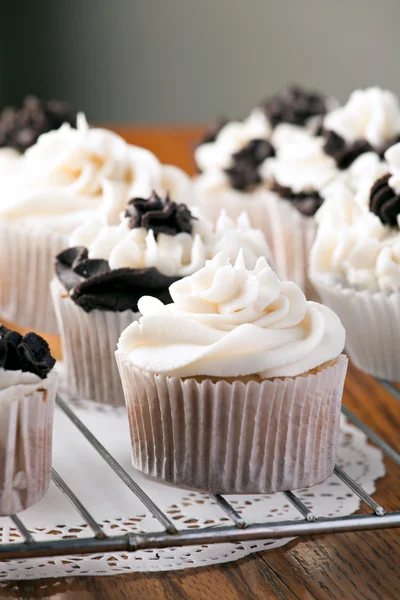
[(234, 437), (26, 431), (26, 269), (88, 342), (289, 234), (372, 323)]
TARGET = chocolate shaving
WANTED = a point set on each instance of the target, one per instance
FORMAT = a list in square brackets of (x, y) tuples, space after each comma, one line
[(161, 216), (307, 203), (21, 127), (384, 202), (346, 153), (93, 285), (243, 174), (29, 353), (295, 105)]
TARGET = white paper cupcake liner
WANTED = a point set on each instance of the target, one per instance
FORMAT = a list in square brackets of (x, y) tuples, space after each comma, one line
[(88, 342), (225, 437), (372, 323), (26, 269), (26, 425), (289, 234)]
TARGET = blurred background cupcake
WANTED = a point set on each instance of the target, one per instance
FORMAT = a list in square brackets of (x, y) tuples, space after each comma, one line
[(100, 279), (28, 386), (355, 266), (66, 177)]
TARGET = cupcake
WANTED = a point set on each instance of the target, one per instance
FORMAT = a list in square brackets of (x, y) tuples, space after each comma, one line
[(273, 167), (370, 121), (28, 386), (234, 387), (355, 266), (67, 177), (100, 279)]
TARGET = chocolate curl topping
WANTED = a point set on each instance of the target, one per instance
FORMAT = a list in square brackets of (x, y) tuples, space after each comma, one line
[(93, 285), (21, 127), (294, 105), (28, 353), (343, 153), (160, 216), (307, 203), (243, 174), (384, 202)]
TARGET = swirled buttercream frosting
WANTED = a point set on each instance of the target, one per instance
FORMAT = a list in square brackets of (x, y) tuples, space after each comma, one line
[(228, 321)]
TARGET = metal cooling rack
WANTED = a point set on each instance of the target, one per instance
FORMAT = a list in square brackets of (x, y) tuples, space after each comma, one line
[(237, 531)]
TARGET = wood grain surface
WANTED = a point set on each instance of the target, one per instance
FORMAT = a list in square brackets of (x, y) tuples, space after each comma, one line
[(349, 566)]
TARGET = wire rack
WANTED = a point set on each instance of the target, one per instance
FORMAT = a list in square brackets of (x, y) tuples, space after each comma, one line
[(237, 531)]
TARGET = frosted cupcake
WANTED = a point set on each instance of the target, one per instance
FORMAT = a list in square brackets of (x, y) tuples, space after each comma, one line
[(27, 394), (236, 386), (101, 278), (355, 265), (68, 176)]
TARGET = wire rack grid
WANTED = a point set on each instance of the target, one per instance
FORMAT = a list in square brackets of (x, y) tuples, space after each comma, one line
[(237, 531)]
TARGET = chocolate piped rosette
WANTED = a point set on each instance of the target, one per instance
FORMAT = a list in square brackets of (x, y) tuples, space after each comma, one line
[(28, 386), (241, 371), (107, 269), (65, 178), (355, 266)]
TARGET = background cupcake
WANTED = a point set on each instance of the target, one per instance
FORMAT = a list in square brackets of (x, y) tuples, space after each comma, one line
[(236, 386), (101, 278), (68, 176), (27, 394), (355, 265)]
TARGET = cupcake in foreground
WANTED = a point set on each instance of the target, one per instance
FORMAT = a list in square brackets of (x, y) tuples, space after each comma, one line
[(355, 266), (67, 177), (236, 386), (28, 386), (100, 279)]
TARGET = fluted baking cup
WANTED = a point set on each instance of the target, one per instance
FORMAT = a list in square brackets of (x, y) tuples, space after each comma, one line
[(88, 342), (26, 425), (26, 269), (236, 437), (290, 235), (372, 323)]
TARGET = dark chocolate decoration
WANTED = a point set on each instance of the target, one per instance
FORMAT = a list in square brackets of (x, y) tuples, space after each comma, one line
[(211, 133), (343, 153), (93, 285), (384, 202), (29, 353), (346, 153), (295, 105), (307, 203), (161, 216), (21, 127), (244, 174)]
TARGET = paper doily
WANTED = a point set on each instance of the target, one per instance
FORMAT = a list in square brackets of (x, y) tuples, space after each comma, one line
[(119, 511)]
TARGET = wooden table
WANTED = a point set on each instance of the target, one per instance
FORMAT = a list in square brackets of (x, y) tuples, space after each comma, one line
[(350, 566)]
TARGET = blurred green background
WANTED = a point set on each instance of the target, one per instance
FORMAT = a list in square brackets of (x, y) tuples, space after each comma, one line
[(189, 60)]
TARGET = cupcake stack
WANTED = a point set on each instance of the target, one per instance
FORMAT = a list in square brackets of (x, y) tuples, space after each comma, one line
[(191, 301)]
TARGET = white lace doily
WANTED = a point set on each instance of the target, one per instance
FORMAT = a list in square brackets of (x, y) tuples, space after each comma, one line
[(119, 511)]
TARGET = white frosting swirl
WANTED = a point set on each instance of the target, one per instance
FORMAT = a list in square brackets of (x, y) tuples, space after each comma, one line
[(357, 250), (233, 137), (300, 163), (9, 379), (71, 173), (174, 255), (227, 321), (372, 114)]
